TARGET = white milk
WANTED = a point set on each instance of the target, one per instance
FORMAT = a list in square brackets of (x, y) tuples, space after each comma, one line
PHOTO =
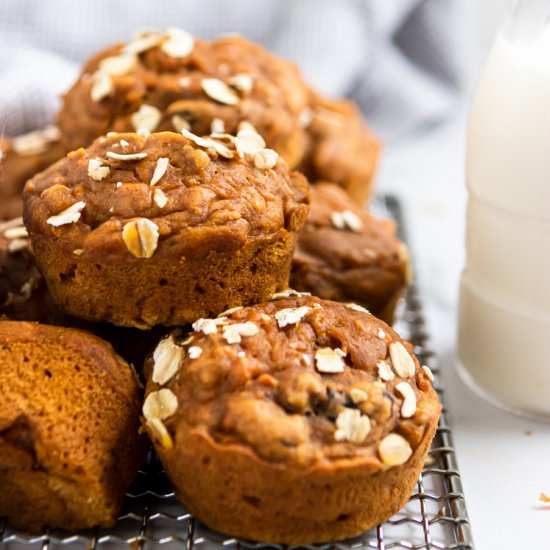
[(504, 319)]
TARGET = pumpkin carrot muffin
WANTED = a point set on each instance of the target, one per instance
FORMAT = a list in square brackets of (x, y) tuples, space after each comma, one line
[(69, 419), (346, 254), (172, 80), (341, 147), (140, 231), (21, 158), (299, 420), (24, 295)]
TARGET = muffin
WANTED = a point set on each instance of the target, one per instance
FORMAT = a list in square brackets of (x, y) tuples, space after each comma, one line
[(172, 80), (140, 231), (345, 254), (295, 421), (24, 295), (20, 159), (341, 147), (69, 419)]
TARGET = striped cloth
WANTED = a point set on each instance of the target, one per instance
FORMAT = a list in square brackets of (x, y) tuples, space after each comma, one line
[(396, 58)]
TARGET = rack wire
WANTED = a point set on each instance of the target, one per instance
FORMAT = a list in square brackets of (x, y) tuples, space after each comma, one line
[(435, 517)]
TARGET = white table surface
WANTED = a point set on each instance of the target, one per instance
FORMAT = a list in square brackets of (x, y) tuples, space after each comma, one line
[(504, 459)]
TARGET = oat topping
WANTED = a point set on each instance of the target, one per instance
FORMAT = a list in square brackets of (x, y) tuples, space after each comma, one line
[(201, 142), (146, 117), (222, 149), (160, 404), (402, 362), (288, 293), (233, 333), (306, 358), (219, 91), (179, 43), (330, 360), (78, 251), (160, 170), (381, 334), (409, 399), (143, 132), (167, 358), (249, 142), (346, 220), (141, 237), (194, 352), (15, 222), (291, 315), (35, 142), (384, 371), (160, 433), (118, 65), (358, 395), (394, 450), (96, 170), (428, 372), (230, 311), (129, 156), (19, 232), (306, 118), (209, 326), (69, 215), (265, 159), (142, 42), (180, 123), (245, 125), (217, 126), (185, 81), (26, 289), (352, 426), (118, 184), (102, 86), (159, 198), (357, 307), (242, 82), (16, 245)]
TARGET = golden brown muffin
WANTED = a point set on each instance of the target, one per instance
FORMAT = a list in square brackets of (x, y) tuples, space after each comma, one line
[(165, 229), (345, 254), (171, 81), (341, 147), (24, 295), (69, 419), (295, 421), (20, 159)]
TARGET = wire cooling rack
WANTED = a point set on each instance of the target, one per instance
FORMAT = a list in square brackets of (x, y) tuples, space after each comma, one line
[(435, 516)]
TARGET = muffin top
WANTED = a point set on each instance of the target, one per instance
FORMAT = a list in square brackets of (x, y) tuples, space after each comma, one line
[(298, 380), (171, 80), (130, 196), (345, 253)]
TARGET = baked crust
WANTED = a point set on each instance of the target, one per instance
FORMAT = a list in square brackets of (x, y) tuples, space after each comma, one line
[(223, 236), (20, 159), (282, 435), (345, 254), (271, 101), (341, 148), (69, 444)]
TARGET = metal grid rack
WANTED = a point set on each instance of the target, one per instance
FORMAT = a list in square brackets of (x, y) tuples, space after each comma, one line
[(435, 516)]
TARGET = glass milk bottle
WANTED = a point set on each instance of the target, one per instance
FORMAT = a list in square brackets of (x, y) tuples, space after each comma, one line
[(504, 317)]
